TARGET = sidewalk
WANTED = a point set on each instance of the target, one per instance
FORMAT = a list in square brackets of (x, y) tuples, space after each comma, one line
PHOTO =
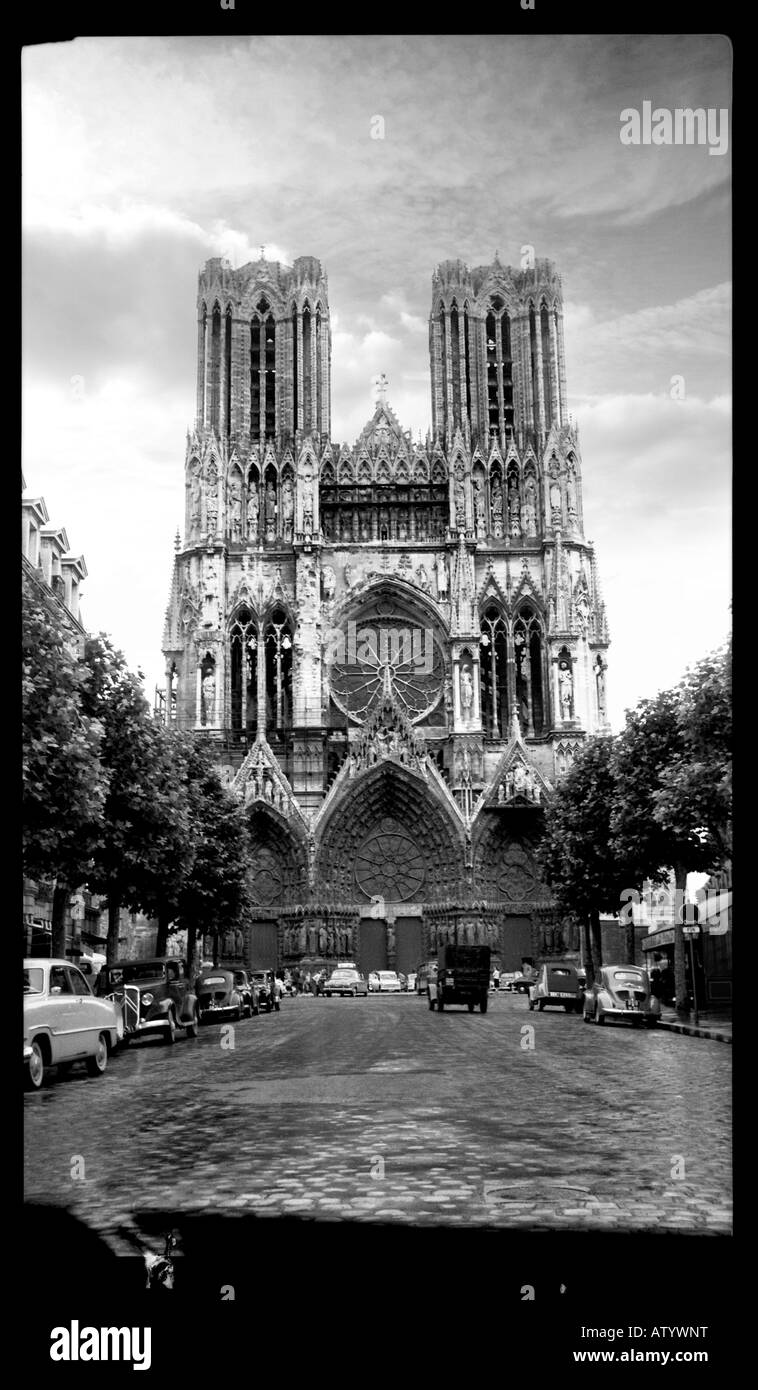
[(712, 1024)]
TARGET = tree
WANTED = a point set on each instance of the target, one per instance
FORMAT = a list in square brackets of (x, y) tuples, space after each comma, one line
[(145, 835), (215, 893), (695, 791), (585, 875), (64, 780), (656, 823)]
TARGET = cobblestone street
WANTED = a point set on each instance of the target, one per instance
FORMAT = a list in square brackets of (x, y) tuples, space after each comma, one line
[(367, 1110)]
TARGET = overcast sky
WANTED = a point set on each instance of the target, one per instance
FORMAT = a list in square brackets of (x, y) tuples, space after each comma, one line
[(144, 157)]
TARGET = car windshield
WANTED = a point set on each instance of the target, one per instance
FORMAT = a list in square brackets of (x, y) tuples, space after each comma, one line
[(34, 981), (138, 970), (344, 974), (387, 975)]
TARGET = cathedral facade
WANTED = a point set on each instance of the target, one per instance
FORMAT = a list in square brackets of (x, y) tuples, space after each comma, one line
[(396, 646)]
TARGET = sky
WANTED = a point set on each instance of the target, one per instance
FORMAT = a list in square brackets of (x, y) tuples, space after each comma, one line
[(143, 157)]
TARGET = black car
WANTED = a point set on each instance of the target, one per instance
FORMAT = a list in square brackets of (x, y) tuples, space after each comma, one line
[(218, 997), (155, 995)]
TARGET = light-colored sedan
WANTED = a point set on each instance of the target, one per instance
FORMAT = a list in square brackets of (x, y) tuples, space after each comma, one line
[(343, 981), (622, 991), (384, 982), (64, 1022)]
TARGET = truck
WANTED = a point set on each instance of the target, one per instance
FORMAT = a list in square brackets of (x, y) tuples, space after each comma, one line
[(463, 977)]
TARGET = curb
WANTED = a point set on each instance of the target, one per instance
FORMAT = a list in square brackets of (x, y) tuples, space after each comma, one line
[(691, 1031)]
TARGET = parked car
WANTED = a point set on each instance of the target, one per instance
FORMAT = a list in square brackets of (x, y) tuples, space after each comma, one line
[(384, 982), (345, 981), (155, 995), (557, 983), (218, 996), (268, 994), (463, 977), (247, 989), (522, 982), (403, 981), (64, 1022), (411, 986), (622, 991)]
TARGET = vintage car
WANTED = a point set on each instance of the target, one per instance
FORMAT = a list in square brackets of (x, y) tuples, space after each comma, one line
[(521, 982), (64, 1022), (247, 989), (384, 982), (463, 977), (266, 984), (622, 991), (155, 995), (345, 981), (557, 983), (218, 997)]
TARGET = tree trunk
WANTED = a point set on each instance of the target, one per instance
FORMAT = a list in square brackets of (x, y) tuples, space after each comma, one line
[(164, 921), (597, 937), (680, 944), (589, 963), (215, 947), (192, 940), (114, 922), (61, 895)]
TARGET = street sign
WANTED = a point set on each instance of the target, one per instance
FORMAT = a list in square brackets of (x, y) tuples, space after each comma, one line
[(691, 931)]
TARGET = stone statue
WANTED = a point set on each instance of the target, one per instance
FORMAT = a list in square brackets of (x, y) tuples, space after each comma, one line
[(555, 495), (195, 492), (288, 507), (347, 575), (571, 493), (500, 794), (307, 491), (328, 582), (270, 510), (235, 510), (442, 576), (496, 495), (252, 511), (481, 524), (600, 669), (423, 579), (566, 686), (211, 513), (530, 507), (460, 503), (467, 691), (209, 697)]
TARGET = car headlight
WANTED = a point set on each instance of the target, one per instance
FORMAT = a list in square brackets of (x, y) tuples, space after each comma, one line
[(147, 999)]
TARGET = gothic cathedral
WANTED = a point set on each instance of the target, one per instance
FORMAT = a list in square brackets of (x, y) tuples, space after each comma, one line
[(395, 647)]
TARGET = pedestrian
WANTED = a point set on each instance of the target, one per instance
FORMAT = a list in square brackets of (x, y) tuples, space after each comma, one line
[(496, 978)]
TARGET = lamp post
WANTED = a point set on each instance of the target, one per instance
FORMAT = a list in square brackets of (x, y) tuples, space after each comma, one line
[(691, 930)]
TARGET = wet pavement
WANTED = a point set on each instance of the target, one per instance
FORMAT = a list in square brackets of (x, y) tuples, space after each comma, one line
[(377, 1110)]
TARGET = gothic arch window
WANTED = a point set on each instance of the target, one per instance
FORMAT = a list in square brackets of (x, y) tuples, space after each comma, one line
[(308, 422), (317, 420), (243, 653), (295, 395), (255, 377), (215, 382), (494, 672), (269, 377), (278, 651), (507, 372), (529, 649), (547, 389)]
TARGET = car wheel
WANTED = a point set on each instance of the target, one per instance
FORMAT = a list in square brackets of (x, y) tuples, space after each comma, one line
[(191, 1029), (471, 1006), (440, 1003), (35, 1072), (169, 1034), (96, 1065)]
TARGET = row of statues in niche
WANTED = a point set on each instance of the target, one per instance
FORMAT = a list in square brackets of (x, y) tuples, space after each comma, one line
[(262, 787), (327, 941), (349, 524), (371, 748), (252, 515), (463, 934)]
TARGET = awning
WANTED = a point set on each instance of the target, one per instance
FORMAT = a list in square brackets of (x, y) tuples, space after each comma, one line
[(665, 937)]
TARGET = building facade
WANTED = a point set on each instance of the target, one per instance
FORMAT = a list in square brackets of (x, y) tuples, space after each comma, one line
[(396, 646)]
